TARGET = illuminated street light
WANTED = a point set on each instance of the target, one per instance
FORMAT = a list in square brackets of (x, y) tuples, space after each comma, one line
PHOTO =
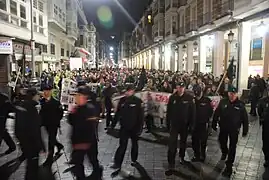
[(111, 48), (230, 37), (262, 29), (111, 54)]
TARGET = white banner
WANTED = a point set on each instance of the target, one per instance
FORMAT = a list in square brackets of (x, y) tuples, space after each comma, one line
[(69, 88), (155, 103)]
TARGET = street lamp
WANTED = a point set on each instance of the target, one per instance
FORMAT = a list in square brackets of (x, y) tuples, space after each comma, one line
[(33, 80), (111, 48), (261, 29), (230, 37), (195, 45), (184, 48)]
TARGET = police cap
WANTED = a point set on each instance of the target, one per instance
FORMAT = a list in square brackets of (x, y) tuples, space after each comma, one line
[(130, 87), (232, 89), (181, 84), (84, 90), (31, 92), (47, 88)]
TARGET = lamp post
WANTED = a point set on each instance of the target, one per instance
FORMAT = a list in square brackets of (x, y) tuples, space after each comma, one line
[(34, 80)]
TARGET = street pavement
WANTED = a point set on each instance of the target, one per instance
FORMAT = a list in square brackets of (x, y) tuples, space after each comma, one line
[(153, 158)]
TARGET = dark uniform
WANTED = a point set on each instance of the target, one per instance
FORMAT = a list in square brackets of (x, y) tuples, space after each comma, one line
[(254, 96), (84, 121), (5, 108), (130, 113), (27, 130), (51, 114), (107, 94), (230, 116), (263, 112), (204, 111), (180, 113)]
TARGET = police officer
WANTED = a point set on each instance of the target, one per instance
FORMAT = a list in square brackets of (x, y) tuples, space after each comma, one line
[(27, 130), (84, 120), (107, 94), (5, 108), (254, 96), (51, 114), (204, 112), (263, 112), (130, 113), (180, 112), (230, 115)]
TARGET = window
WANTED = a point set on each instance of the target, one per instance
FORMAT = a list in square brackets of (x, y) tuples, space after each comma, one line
[(3, 5), (40, 20), (23, 24), (35, 4), (62, 51), (52, 49), (256, 49), (22, 12), (34, 17), (40, 6), (81, 39), (41, 30), (67, 53), (13, 7), (45, 48), (35, 28)]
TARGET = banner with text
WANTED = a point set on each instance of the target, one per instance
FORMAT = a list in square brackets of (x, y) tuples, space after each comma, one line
[(155, 103)]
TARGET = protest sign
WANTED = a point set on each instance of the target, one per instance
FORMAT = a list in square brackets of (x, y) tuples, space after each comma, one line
[(68, 92), (155, 103)]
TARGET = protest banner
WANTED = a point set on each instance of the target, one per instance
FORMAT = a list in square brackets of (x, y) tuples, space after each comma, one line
[(68, 92), (155, 103)]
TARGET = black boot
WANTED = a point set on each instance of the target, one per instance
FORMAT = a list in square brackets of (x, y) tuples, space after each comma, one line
[(228, 171)]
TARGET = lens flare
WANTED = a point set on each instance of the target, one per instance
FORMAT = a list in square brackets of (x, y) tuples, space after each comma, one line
[(104, 14)]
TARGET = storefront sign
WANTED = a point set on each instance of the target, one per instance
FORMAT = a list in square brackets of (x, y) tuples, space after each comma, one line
[(48, 58), (6, 46)]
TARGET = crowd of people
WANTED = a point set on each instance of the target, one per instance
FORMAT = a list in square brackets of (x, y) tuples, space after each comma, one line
[(186, 113)]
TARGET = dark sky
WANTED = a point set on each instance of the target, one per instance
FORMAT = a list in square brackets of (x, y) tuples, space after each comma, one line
[(121, 22)]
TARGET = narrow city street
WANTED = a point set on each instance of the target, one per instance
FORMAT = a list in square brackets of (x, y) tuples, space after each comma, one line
[(152, 157)]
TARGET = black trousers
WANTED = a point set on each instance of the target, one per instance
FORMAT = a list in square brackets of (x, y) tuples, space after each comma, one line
[(4, 135), (253, 106), (149, 122), (265, 142), (31, 154), (199, 140), (52, 141), (108, 115), (173, 139), (124, 137), (78, 159), (233, 139)]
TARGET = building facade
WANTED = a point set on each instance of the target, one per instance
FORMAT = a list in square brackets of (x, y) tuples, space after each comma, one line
[(124, 49), (15, 20), (204, 35)]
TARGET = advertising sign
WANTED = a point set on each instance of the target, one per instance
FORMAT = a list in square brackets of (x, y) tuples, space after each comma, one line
[(6, 46)]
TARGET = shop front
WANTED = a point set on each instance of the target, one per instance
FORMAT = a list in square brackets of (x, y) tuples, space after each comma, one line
[(49, 63)]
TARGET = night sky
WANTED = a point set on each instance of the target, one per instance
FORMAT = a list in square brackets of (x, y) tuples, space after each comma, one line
[(110, 20)]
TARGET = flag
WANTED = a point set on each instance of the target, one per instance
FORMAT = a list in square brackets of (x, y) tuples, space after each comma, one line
[(230, 70)]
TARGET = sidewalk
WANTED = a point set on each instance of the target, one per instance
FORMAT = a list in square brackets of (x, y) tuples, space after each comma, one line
[(153, 158)]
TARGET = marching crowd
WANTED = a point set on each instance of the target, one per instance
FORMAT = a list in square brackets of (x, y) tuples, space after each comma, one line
[(186, 113)]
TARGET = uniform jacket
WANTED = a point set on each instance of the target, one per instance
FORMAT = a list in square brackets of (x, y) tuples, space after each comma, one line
[(27, 125), (84, 122), (204, 110), (51, 112), (181, 110), (263, 111), (130, 113), (231, 115)]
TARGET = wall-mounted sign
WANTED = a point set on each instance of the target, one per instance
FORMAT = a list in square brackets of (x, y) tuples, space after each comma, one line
[(6, 46)]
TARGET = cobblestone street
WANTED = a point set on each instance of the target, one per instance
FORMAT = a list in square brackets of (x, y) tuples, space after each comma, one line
[(152, 157)]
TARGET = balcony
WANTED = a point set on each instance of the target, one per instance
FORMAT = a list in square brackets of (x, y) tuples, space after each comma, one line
[(182, 3), (193, 25), (72, 33), (181, 31), (223, 9)]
